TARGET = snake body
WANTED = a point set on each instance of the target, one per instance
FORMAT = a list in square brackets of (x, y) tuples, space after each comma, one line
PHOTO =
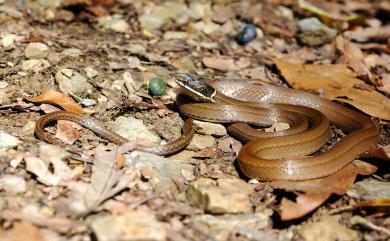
[(98, 128), (282, 157), (267, 156)]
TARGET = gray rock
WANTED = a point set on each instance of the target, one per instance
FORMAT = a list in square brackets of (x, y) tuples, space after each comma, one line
[(130, 226), (12, 183), (221, 196), (207, 128), (133, 129), (36, 51), (88, 102), (152, 22), (222, 227), (200, 142), (6, 140), (72, 82), (175, 35), (328, 229), (114, 23), (9, 40), (35, 65), (371, 189), (183, 155), (313, 32), (48, 151), (167, 174), (71, 52)]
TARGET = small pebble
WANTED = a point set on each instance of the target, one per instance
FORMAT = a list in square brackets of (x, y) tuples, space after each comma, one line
[(157, 86), (246, 34)]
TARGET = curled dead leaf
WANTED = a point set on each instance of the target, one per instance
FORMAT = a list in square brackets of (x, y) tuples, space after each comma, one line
[(57, 98), (335, 82), (312, 193), (225, 64)]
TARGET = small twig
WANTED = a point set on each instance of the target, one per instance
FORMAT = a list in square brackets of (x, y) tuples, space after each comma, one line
[(340, 210), (364, 222)]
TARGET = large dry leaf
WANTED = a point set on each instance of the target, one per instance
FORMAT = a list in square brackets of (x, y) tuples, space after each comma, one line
[(312, 193), (381, 152), (224, 64), (354, 58), (336, 82), (32, 214), (106, 181), (57, 98), (60, 175), (21, 231)]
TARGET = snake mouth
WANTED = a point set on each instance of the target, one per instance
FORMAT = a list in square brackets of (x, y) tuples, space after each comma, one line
[(197, 87)]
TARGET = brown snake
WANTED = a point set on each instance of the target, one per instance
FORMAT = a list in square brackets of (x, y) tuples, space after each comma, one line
[(96, 127), (267, 156)]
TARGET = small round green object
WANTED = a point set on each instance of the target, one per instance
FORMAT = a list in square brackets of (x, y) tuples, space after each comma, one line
[(157, 86)]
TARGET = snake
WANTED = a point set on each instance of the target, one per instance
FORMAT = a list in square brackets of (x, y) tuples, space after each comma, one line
[(99, 129), (280, 155)]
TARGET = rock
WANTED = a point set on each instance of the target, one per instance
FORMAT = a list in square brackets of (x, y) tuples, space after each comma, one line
[(156, 16), (207, 27), (50, 3), (11, 183), (88, 102), (48, 151), (71, 52), (72, 82), (222, 227), (167, 173), (35, 65), (6, 140), (8, 40), (183, 155), (200, 142), (371, 189), (114, 23), (130, 226), (184, 64), (36, 50), (3, 84), (90, 72), (175, 35), (207, 128), (328, 229), (221, 196), (152, 22), (133, 129), (313, 32)]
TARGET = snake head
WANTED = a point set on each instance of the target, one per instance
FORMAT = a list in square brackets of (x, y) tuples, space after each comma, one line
[(196, 87)]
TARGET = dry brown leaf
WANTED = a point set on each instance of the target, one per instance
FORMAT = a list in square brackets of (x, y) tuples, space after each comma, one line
[(60, 175), (312, 193), (335, 82), (57, 98), (354, 58), (21, 231), (225, 64), (67, 131), (304, 204), (106, 181), (32, 214), (229, 145), (382, 152)]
